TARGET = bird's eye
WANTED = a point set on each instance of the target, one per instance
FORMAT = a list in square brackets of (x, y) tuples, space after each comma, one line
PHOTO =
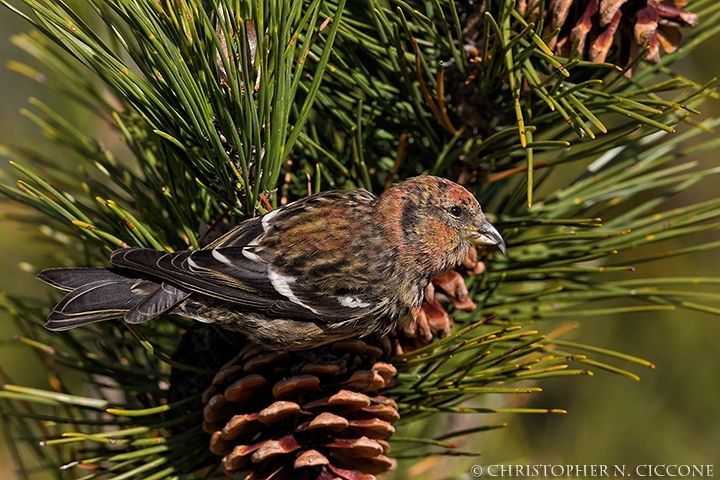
[(455, 211)]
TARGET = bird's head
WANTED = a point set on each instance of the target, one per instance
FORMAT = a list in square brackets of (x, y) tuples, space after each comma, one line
[(439, 219)]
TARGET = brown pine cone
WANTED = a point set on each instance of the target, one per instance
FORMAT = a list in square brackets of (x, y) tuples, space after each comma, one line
[(307, 415), (597, 25)]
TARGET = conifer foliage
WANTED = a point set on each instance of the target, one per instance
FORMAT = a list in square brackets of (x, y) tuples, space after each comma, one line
[(227, 109)]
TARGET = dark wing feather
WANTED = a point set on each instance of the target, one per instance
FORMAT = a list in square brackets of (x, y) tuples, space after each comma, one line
[(162, 300), (174, 268), (242, 235)]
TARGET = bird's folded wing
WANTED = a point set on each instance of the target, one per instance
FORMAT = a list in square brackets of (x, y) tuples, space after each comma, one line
[(240, 275)]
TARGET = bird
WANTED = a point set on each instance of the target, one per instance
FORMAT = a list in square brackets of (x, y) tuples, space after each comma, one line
[(331, 266)]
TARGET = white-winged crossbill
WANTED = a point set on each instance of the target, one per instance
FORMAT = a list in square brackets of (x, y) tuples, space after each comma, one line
[(334, 265)]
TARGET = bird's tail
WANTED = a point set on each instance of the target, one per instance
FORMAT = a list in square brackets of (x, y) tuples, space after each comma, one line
[(98, 294)]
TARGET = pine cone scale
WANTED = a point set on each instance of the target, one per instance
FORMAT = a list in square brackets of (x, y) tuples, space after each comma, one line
[(240, 425), (310, 458), (595, 26), (608, 10), (646, 25), (267, 414)]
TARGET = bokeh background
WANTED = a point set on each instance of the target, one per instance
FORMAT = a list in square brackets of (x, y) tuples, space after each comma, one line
[(672, 416)]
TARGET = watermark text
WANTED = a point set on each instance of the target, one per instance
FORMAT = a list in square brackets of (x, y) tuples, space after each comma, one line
[(600, 470)]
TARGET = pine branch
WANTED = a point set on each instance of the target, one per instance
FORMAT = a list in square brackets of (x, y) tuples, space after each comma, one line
[(220, 106)]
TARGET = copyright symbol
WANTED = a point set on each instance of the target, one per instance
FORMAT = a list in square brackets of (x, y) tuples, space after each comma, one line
[(476, 471)]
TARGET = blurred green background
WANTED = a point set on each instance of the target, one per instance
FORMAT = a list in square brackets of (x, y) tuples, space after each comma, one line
[(671, 416)]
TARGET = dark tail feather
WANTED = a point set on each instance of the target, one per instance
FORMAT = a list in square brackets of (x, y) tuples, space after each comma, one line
[(68, 279), (98, 294)]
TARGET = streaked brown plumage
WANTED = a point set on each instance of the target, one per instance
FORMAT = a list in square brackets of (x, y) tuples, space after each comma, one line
[(334, 265)]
